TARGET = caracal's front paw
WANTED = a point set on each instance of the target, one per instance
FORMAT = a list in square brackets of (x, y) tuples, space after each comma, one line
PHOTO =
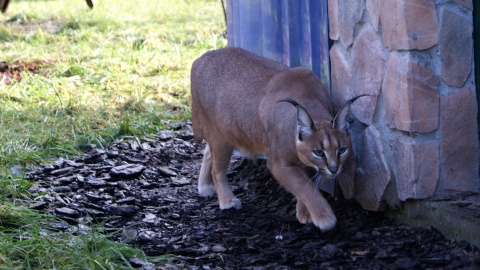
[(323, 218), (230, 203), (206, 190)]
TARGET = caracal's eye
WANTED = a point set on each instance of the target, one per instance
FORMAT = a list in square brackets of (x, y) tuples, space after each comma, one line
[(342, 150), (319, 153)]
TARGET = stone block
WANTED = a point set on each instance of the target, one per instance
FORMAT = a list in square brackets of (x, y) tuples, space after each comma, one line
[(340, 74), (349, 14), (456, 48), (410, 95), (417, 168), (333, 27), (373, 7), (467, 4), (408, 24), (373, 173), (459, 147), (368, 65)]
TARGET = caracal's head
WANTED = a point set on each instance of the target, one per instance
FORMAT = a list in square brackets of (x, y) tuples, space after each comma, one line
[(324, 147)]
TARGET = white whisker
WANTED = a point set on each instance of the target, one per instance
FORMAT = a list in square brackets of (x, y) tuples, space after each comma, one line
[(314, 182), (317, 178), (349, 180)]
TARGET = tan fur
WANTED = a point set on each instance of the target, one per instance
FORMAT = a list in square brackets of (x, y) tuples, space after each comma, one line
[(245, 102)]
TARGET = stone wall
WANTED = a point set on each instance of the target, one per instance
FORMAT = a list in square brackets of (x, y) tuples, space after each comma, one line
[(418, 136)]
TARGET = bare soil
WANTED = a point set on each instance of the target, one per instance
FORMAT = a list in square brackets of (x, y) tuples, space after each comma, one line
[(13, 71), (146, 190)]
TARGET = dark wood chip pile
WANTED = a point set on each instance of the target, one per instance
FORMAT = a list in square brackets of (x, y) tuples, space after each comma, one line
[(145, 190)]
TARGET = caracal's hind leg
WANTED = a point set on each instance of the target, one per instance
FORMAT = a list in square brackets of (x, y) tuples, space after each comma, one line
[(206, 187), (221, 154)]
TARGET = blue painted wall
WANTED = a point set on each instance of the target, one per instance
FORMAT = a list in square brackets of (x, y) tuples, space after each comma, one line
[(293, 32)]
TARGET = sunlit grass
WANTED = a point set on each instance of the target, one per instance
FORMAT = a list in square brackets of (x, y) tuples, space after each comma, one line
[(123, 59), (119, 69)]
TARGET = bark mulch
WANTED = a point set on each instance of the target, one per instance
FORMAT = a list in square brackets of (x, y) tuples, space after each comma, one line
[(146, 190)]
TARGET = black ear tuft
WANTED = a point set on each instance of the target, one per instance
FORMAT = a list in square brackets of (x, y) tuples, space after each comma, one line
[(305, 125), (341, 120)]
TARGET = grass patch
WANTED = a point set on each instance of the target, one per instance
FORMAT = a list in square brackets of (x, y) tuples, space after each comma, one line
[(27, 245), (119, 69)]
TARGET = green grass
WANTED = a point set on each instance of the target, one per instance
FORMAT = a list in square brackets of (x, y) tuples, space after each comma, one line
[(26, 244), (119, 69)]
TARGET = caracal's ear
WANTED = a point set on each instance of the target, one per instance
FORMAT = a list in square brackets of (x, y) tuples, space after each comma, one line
[(305, 125), (341, 120)]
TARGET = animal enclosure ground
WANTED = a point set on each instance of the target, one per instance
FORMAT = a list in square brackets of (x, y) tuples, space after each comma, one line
[(119, 69), (145, 190), (123, 69)]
